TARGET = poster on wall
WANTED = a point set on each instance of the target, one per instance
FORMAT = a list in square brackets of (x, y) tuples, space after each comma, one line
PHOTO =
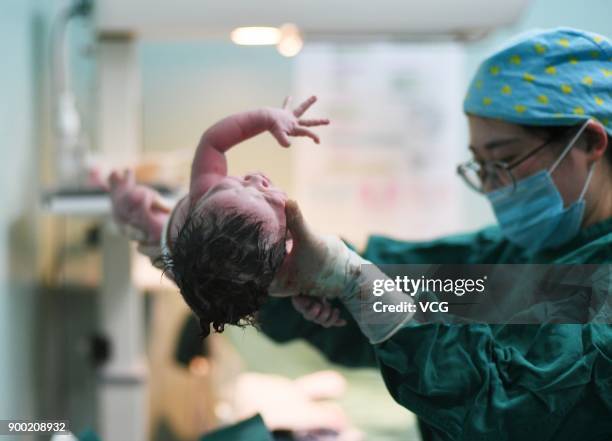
[(386, 163)]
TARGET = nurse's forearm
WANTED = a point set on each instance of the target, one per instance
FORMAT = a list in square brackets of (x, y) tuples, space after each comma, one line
[(360, 302), (349, 276)]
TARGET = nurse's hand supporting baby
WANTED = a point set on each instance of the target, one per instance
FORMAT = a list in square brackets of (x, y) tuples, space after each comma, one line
[(307, 260), (324, 267)]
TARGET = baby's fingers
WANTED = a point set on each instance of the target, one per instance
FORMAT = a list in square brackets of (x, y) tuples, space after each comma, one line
[(287, 102), (124, 178), (313, 122), (281, 137), (128, 177), (299, 111), (305, 132), (114, 179)]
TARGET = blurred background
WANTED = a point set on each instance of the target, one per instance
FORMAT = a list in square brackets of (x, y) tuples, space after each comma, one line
[(89, 331)]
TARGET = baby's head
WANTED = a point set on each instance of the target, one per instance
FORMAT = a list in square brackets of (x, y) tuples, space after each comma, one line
[(229, 248)]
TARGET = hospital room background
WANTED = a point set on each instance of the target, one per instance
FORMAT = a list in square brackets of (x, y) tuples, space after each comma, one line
[(385, 165)]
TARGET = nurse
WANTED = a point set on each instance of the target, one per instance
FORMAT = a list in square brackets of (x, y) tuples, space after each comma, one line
[(539, 117)]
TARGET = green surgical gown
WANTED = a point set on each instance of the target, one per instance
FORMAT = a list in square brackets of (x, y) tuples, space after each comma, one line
[(482, 382)]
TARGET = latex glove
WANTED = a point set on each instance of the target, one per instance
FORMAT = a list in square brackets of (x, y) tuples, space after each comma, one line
[(316, 265), (286, 122), (323, 266)]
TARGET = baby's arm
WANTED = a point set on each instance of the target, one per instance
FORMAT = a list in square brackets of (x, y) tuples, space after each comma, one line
[(139, 209), (210, 164)]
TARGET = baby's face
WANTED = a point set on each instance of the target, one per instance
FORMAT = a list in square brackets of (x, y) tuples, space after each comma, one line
[(253, 194)]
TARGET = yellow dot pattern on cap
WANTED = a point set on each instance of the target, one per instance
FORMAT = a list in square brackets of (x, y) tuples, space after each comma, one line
[(563, 42), (543, 99), (528, 77), (520, 108), (540, 48)]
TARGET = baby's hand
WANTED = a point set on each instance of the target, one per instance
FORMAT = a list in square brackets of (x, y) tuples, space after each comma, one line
[(139, 210), (287, 122)]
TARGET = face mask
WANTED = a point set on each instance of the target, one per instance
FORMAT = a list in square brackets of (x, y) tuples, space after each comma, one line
[(533, 216)]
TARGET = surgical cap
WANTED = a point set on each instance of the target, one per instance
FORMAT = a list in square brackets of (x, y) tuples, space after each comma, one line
[(546, 78)]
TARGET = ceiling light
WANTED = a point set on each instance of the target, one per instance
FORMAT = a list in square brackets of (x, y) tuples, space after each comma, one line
[(256, 35), (290, 43)]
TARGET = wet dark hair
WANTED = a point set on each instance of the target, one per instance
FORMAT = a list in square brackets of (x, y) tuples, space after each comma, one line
[(561, 133), (223, 266)]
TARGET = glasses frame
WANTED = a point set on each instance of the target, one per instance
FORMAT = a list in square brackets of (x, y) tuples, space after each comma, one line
[(503, 166)]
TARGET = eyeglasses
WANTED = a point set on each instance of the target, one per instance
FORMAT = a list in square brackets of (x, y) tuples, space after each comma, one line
[(479, 175)]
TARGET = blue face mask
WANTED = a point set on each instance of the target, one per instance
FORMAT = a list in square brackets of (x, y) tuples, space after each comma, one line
[(533, 216)]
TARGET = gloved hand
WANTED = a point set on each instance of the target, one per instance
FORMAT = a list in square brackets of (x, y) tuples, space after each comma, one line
[(320, 266), (316, 265)]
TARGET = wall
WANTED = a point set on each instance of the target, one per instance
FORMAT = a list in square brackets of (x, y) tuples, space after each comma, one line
[(21, 30), (27, 235)]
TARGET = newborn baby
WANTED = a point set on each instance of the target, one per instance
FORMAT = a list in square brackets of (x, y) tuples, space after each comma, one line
[(226, 239)]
